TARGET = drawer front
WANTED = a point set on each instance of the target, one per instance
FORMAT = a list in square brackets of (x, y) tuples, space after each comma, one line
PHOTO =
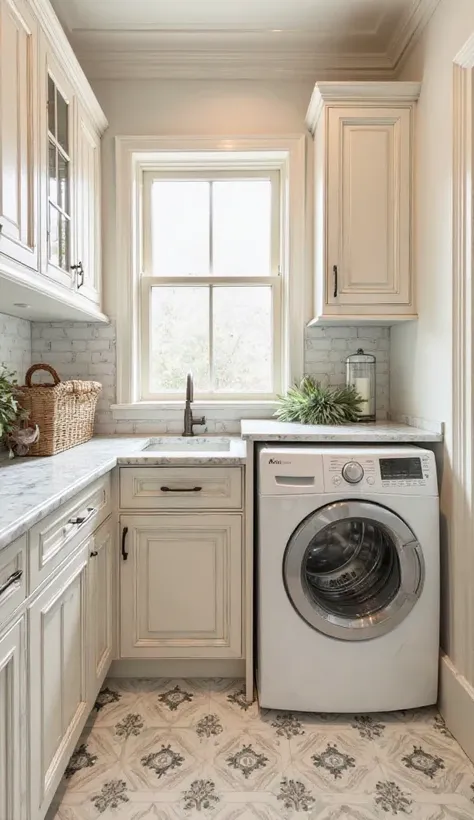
[(157, 488), (12, 578), (55, 537)]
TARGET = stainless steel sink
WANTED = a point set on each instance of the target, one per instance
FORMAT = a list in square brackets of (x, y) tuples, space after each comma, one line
[(194, 444)]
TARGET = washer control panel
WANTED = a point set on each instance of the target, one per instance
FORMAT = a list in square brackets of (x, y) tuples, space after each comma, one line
[(387, 472)]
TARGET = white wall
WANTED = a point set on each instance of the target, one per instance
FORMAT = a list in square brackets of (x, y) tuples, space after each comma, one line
[(421, 371)]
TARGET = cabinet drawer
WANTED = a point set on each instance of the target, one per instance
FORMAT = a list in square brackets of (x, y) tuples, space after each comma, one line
[(57, 535), (152, 488), (12, 578)]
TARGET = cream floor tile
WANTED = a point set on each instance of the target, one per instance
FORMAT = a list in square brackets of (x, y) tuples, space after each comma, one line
[(187, 749)]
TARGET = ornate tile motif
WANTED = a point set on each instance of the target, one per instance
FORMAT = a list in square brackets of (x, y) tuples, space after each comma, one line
[(105, 697), (295, 795), (200, 795), (390, 798), (333, 761), (368, 726), (112, 794), (423, 762), (163, 761), (209, 726), (81, 759), (130, 725), (247, 760), (239, 699), (174, 698), (287, 725), (440, 726)]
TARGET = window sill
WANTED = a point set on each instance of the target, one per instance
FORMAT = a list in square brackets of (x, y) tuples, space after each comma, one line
[(161, 410)]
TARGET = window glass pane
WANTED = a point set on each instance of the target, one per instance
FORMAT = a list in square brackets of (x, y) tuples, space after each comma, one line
[(62, 121), (63, 174), (51, 106), (179, 334), (53, 235), (63, 242), (53, 182), (242, 227), (180, 227), (242, 339)]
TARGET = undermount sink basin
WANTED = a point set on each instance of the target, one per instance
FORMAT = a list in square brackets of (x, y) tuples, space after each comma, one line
[(194, 444)]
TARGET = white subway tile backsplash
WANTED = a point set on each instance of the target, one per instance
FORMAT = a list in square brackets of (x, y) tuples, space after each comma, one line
[(88, 351), (15, 344)]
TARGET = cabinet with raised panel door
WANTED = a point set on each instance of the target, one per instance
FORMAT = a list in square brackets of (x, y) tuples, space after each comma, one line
[(363, 158), (13, 728), (58, 676), (101, 604), (19, 157), (181, 585)]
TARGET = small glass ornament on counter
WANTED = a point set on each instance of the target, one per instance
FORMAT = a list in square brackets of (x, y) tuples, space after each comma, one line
[(360, 374)]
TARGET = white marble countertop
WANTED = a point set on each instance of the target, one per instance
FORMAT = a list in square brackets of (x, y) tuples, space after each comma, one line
[(30, 488), (271, 430)]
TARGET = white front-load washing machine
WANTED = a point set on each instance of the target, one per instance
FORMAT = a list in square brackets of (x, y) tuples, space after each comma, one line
[(348, 578)]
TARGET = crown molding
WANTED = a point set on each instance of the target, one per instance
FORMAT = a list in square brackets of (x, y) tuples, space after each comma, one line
[(396, 93), (58, 41), (409, 30), (238, 65)]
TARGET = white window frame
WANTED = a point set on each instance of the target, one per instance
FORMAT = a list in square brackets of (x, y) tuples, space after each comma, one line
[(274, 281), (138, 156)]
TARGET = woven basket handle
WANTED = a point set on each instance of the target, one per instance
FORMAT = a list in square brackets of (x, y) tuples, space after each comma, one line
[(35, 367)]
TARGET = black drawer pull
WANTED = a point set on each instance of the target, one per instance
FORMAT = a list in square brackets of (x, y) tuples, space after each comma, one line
[(14, 577), (334, 270), (180, 489), (94, 553), (124, 536)]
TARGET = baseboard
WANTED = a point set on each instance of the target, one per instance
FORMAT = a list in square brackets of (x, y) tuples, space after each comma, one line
[(456, 704), (171, 668)]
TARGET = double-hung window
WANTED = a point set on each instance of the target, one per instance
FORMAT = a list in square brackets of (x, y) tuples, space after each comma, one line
[(211, 284)]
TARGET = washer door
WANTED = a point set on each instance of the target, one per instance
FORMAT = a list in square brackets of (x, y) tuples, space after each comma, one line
[(353, 570)]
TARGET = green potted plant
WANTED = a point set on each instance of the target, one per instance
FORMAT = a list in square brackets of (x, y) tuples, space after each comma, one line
[(311, 402), (13, 430)]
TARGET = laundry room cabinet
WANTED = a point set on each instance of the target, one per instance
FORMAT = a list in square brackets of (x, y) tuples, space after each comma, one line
[(50, 199), (363, 189)]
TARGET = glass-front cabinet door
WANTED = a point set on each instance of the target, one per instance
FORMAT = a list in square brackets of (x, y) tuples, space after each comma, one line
[(58, 195)]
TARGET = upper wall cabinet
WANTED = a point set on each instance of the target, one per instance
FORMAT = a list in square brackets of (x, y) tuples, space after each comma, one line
[(50, 210), (19, 232), (363, 144)]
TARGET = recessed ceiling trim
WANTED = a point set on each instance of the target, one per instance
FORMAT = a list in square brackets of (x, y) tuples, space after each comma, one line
[(409, 30)]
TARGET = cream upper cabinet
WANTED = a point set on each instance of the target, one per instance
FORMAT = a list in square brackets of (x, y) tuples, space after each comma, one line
[(57, 195), (58, 682), (87, 250), (13, 737), (181, 586), (101, 604), (19, 230), (363, 144)]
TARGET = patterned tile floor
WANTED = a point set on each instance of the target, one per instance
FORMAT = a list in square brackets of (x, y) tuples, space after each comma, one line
[(177, 749)]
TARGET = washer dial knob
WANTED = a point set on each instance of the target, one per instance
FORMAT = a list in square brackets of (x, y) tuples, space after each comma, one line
[(353, 472)]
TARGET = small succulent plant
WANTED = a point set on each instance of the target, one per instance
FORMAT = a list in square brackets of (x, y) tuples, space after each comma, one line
[(310, 402)]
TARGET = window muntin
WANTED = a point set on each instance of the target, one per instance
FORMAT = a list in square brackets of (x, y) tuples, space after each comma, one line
[(210, 284), (59, 212)]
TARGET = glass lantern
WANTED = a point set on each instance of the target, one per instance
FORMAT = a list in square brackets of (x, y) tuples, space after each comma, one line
[(360, 374)]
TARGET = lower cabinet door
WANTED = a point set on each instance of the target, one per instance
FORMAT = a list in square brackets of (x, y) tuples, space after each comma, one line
[(13, 743), (181, 586), (101, 602), (58, 677)]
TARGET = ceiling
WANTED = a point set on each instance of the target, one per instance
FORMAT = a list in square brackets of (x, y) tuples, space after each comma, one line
[(247, 39)]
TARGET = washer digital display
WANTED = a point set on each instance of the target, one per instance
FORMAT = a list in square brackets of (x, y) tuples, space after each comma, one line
[(393, 469)]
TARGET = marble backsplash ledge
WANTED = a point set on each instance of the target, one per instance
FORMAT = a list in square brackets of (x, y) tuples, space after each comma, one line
[(88, 351)]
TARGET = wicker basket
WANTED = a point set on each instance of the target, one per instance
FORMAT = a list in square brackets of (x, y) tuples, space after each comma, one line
[(64, 411)]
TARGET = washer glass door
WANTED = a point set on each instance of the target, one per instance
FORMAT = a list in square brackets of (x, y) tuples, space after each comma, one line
[(353, 570)]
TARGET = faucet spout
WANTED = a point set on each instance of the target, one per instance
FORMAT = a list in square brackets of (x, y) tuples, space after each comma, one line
[(189, 387)]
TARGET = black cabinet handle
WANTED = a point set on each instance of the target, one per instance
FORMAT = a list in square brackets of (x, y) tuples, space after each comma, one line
[(124, 536), (334, 270), (80, 274), (14, 577), (94, 553), (180, 489)]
